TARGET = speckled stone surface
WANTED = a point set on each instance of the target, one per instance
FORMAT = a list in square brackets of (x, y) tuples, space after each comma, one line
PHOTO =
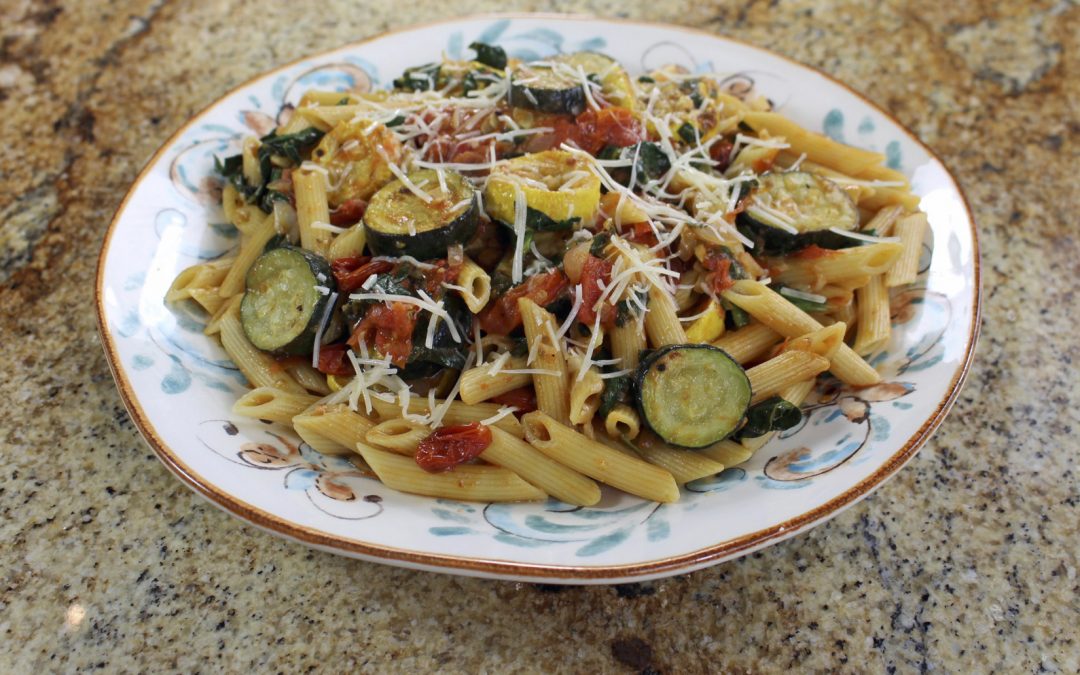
[(965, 562)]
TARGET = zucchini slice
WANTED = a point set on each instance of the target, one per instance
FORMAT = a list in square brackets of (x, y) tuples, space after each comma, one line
[(556, 183), (554, 85), (287, 290), (400, 222), (692, 395), (794, 209)]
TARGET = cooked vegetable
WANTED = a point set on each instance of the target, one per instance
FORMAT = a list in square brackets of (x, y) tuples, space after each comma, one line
[(794, 209), (489, 55), (616, 390), (557, 84), (692, 395), (557, 184), (287, 292), (355, 155), (399, 221), (772, 414)]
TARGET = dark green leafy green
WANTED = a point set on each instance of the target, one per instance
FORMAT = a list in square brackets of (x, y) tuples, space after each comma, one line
[(628, 310), (808, 306), (420, 78), (616, 390), (652, 161), (772, 414), (538, 221), (736, 316), (688, 134), (599, 243), (489, 55)]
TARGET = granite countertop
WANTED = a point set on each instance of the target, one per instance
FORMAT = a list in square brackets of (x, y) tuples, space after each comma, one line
[(966, 561)]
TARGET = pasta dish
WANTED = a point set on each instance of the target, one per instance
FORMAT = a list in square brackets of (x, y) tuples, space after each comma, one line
[(504, 281)]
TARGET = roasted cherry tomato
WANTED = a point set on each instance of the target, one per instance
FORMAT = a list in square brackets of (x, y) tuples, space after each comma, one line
[(333, 361), (348, 213), (447, 447), (389, 327), (595, 276), (501, 316), (522, 398), (351, 273)]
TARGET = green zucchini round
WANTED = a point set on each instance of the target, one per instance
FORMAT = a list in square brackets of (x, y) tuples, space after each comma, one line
[(802, 201), (435, 225), (552, 89), (287, 291), (692, 395)]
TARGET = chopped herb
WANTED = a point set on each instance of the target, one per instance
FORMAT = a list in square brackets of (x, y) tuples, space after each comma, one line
[(736, 316), (772, 414), (291, 146), (646, 79), (396, 122), (489, 55), (344, 101), (469, 83), (652, 162), (609, 152), (538, 221)]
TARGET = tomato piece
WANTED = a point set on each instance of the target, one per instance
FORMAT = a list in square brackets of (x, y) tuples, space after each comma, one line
[(813, 252), (348, 212), (594, 272), (719, 266), (389, 327), (442, 273), (353, 279), (720, 152), (609, 126), (501, 316), (639, 233), (334, 361), (522, 398), (447, 447)]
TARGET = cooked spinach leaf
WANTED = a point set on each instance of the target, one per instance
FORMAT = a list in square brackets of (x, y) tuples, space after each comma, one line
[(652, 162), (538, 221), (489, 55), (599, 243), (772, 414), (420, 78), (688, 134), (616, 390)]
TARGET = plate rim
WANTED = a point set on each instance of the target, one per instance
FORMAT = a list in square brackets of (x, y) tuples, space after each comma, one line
[(493, 567)]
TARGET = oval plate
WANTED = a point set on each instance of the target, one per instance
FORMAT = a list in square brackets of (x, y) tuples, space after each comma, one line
[(179, 386)]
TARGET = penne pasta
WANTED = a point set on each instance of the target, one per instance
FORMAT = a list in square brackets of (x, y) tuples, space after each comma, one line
[(622, 422), (911, 231), (728, 453), (475, 285), (598, 461), (270, 403), (795, 394), (335, 424), (770, 308), (260, 369), (475, 483), (683, 465), (748, 342), (859, 262), (457, 413), (771, 377), (398, 435), (552, 395), (873, 317), (312, 210), (250, 248), (349, 243)]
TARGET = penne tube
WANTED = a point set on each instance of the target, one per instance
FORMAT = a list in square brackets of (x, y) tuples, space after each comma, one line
[(598, 461), (622, 421), (627, 343), (748, 342), (770, 308), (260, 369), (252, 246), (202, 277), (478, 384), (557, 480), (552, 395), (585, 396), (728, 453), (208, 298), (468, 482), (270, 403), (662, 320), (911, 231), (312, 209), (873, 317), (771, 377), (823, 342), (398, 435), (475, 286), (308, 377), (817, 148), (883, 221), (837, 266), (333, 423), (683, 465)]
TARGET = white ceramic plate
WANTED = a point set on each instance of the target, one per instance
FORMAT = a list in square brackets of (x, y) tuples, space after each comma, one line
[(179, 386)]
